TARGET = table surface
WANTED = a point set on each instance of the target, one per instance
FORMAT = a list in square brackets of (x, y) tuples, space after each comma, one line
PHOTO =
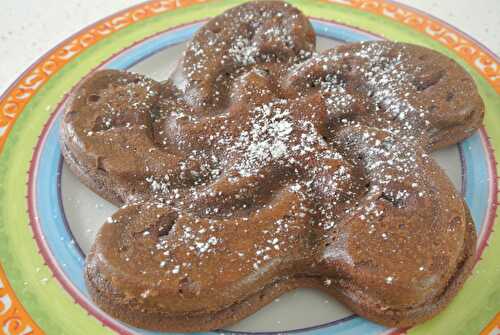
[(30, 28)]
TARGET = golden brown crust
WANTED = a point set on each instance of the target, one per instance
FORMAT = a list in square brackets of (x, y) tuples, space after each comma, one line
[(262, 167)]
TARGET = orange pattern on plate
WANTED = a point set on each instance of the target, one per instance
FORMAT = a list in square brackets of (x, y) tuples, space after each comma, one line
[(21, 92), (464, 46), (13, 317), (25, 88), (494, 327)]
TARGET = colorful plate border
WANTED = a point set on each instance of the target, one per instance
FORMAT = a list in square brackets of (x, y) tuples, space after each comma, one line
[(368, 15), (55, 240)]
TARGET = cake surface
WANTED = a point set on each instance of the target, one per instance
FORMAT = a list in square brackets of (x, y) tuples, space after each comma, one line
[(262, 166)]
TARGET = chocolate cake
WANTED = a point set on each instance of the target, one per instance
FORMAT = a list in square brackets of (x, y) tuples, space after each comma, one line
[(262, 166)]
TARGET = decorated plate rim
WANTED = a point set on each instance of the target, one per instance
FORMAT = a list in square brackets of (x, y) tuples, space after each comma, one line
[(20, 92)]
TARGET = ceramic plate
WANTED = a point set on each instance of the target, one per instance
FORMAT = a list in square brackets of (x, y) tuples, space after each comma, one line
[(48, 219)]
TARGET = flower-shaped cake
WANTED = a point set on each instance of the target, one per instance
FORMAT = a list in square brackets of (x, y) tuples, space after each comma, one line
[(262, 166)]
